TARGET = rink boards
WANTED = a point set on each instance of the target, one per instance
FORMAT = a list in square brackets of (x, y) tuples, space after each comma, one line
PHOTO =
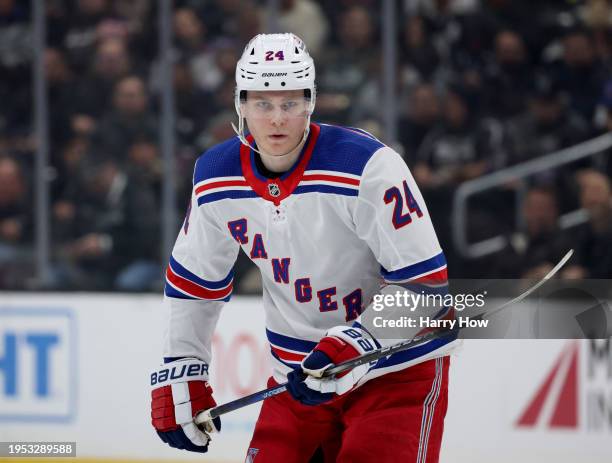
[(74, 367)]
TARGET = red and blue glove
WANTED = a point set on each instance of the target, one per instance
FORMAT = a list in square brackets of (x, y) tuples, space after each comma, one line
[(180, 391), (340, 343)]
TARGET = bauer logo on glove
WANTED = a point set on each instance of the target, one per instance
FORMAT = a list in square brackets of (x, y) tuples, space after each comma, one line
[(178, 372)]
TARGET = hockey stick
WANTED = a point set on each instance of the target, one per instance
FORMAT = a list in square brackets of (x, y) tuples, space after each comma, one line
[(208, 415)]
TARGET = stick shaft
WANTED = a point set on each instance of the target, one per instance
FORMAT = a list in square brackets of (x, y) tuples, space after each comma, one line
[(243, 402)]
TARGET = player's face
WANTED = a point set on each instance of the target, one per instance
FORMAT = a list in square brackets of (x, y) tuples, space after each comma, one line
[(276, 119)]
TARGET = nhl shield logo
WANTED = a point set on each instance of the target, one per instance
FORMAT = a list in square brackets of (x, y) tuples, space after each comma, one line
[(274, 190)]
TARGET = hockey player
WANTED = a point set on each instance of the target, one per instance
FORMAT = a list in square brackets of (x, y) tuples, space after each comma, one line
[(327, 213)]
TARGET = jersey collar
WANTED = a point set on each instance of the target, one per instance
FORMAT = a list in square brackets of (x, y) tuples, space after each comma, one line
[(277, 189)]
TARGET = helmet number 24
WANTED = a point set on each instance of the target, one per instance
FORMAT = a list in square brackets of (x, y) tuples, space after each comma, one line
[(270, 55)]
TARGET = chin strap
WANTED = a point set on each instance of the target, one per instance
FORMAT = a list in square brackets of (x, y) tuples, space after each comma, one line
[(240, 132)]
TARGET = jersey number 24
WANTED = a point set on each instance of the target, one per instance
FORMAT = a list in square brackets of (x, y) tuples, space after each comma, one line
[(401, 218)]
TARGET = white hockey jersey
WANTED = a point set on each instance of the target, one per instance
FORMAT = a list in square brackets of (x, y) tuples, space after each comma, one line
[(324, 235)]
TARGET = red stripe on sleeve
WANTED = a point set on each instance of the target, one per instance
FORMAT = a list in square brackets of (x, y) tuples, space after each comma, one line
[(196, 290), (440, 276)]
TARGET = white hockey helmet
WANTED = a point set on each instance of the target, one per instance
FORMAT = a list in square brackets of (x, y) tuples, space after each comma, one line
[(274, 62)]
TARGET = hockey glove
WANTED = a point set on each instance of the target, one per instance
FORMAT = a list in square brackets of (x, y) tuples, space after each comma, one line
[(180, 391), (340, 343)]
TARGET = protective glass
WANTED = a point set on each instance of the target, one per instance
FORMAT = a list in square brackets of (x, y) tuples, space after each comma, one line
[(264, 108)]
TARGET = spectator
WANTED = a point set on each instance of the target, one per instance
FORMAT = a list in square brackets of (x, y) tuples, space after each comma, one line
[(144, 164), (15, 68), (128, 121), (304, 18), (367, 109), (605, 159), (594, 254), (533, 251), (509, 78), (81, 37), (460, 148), (14, 217), (456, 150), (547, 125), (209, 62), (189, 39), (68, 165), (223, 99), (139, 20), (334, 8), (606, 102), (111, 63), (419, 58), (457, 44), (535, 22), (212, 70), (218, 130), (221, 16), (249, 22), (134, 12), (423, 116), (347, 67), (14, 34), (60, 85), (193, 108), (117, 246), (15, 225), (597, 15), (580, 73), (67, 191)]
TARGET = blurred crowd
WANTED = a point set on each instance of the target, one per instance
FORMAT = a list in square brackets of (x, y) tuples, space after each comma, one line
[(481, 85)]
